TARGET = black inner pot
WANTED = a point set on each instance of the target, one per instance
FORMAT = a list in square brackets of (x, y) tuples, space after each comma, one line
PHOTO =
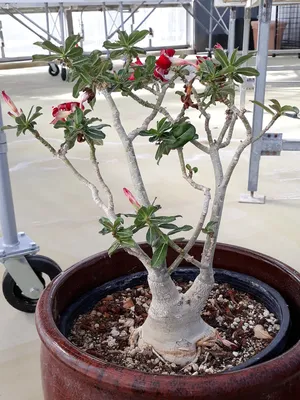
[(260, 291)]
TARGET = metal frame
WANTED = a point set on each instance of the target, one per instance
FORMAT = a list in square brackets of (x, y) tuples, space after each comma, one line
[(15, 246), (269, 144)]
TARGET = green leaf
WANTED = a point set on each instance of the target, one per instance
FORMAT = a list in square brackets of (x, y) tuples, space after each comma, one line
[(47, 45), (59, 124), (233, 56), (209, 229), (143, 213), (6, 127), (128, 242), (21, 120), (115, 54), (164, 219), (238, 78), (94, 134), (123, 38), (276, 104), (137, 36), (290, 108), (135, 51), (118, 222), (111, 45), (210, 66), (43, 57), (77, 87), (267, 109), (168, 226), (104, 231), (184, 228), (221, 57), (247, 71), (75, 52), (115, 246), (241, 60), (151, 235), (159, 255), (106, 223), (124, 233), (78, 116), (71, 42)]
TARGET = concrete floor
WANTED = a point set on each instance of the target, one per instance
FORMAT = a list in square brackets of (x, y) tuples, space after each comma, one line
[(59, 214)]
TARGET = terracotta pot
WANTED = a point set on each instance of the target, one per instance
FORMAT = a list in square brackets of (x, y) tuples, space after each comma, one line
[(69, 374), (276, 30)]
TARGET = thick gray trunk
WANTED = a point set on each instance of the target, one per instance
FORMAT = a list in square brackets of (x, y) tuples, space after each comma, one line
[(174, 323)]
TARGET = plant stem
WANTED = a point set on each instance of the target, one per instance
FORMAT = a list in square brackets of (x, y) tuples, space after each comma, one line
[(134, 169), (111, 206)]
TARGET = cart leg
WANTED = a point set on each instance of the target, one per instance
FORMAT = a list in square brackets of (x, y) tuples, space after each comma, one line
[(12, 242)]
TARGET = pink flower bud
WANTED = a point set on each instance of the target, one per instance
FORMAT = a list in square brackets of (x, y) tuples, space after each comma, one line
[(11, 104), (131, 198), (218, 46)]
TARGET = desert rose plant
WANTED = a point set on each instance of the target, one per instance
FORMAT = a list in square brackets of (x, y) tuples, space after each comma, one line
[(174, 327)]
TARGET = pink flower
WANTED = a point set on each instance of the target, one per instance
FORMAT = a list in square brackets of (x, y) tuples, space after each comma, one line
[(218, 46), (200, 59), (61, 112), (165, 62), (131, 198), (137, 63), (85, 96), (12, 105)]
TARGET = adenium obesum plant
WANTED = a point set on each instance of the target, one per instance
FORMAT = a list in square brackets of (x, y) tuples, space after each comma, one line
[(174, 327)]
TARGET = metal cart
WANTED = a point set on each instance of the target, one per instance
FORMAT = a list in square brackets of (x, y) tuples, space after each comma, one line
[(26, 270)]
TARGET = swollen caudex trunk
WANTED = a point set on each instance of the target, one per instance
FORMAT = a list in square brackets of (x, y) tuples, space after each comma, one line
[(174, 324)]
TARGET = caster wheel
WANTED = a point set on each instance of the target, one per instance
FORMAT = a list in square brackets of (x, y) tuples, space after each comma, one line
[(64, 73), (44, 268), (53, 69), (273, 55), (209, 54)]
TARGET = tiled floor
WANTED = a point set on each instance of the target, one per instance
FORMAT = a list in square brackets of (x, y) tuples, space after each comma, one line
[(58, 213)]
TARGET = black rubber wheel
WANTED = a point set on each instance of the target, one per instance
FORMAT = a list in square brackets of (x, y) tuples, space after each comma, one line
[(53, 69), (209, 54), (63, 73), (42, 266)]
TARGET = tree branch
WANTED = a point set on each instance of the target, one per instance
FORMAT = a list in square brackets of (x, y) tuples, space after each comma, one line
[(187, 257), (133, 134), (44, 142), (154, 107), (129, 150), (200, 146), (229, 117), (106, 189), (151, 90), (205, 207), (138, 252), (230, 132), (249, 139)]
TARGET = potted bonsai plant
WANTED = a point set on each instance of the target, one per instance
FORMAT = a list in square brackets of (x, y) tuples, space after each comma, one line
[(110, 330)]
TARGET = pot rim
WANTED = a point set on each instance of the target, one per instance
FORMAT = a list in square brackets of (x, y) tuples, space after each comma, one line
[(283, 367)]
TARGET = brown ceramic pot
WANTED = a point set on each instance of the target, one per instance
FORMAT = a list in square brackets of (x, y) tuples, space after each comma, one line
[(69, 374)]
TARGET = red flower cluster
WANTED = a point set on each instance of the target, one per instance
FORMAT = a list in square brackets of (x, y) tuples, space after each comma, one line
[(61, 112), (163, 64), (138, 63)]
